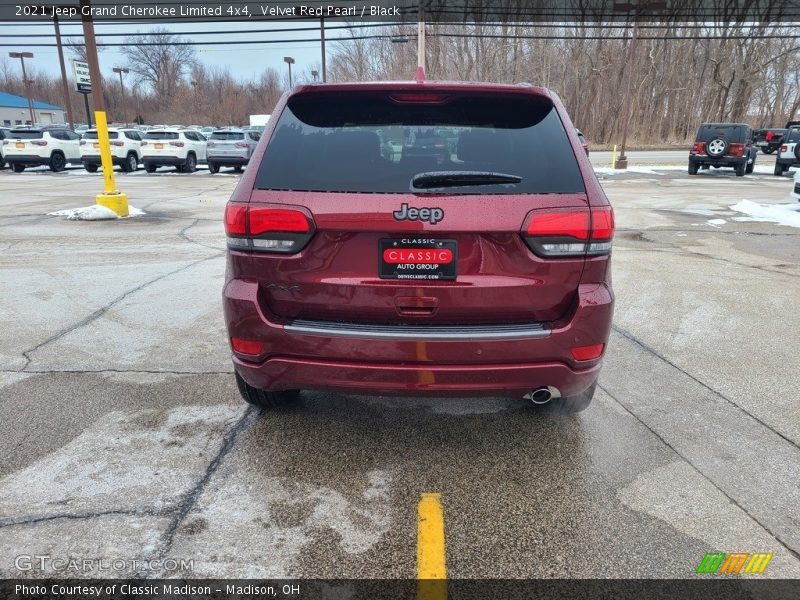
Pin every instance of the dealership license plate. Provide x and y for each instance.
(417, 258)
(20, 144)
(159, 146)
(96, 145)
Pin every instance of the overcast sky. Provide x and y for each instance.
(243, 61)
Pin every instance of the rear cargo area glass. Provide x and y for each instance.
(378, 142)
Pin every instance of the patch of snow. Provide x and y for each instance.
(783, 214)
(95, 212)
(716, 222)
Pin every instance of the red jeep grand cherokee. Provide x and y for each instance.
(419, 238)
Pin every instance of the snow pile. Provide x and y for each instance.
(783, 214)
(95, 212)
(716, 222)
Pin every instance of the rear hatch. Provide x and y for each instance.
(227, 143)
(24, 142)
(161, 143)
(90, 143)
(430, 230)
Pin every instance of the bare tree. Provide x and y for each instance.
(158, 60)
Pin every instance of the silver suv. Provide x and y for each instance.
(231, 148)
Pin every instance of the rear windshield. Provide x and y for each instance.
(372, 143)
(92, 135)
(161, 135)
(706, 133)
(28, 134)
(227, 135)
(793, 135)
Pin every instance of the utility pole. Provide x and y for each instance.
(322, 48)
(622, 161)
(420, 50)
(122, 70)
(111, 198)
(22, 56)
(64, 84)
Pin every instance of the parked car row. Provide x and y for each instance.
(182, 148)
(735, 145)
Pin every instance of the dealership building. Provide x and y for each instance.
(14, 110)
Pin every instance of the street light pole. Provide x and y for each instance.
(322, 48)
(420, 50)
(289, 61)
(22, 56)
(64, 84)
(622, 161)
(122, 70)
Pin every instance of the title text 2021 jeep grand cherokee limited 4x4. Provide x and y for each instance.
(723, 145)
(481, 269)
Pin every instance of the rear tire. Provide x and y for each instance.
(131, 163)
(149, 168)
(778, 169)
(17, 168)
(237, 168)
(264, 399)
(90, 168)
(693, 168)
(768, 150)
(190, 166)
(751, 166)
(213, 168)
(740, 169)
(57, 162)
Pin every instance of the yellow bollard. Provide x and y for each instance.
(614, 156)
(111, 197)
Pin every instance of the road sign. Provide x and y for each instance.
(83, 80)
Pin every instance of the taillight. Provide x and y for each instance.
(144, 142)
(39, 142)
(178, 144)
(83, 142)
(570, 232)
(210, 145)
(736, 150)
(266, 229)
(699, 148)
(241, 144)
(116, 142)
(769, 136)
(784, 148)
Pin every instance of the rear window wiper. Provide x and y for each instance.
(438, 179)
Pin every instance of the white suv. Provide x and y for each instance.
(126, 149)
(789, 152)
(4, 131)
(28, 147)
(182, 148)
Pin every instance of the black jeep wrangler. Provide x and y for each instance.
(723, 145)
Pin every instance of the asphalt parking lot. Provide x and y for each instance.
(123, 435)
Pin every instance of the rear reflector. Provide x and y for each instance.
(784, 148)
(570, 232)
(698, 148)
(250, 347)
(588, 352)
(736, 150)
(264, 229)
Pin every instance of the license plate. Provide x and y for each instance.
(159, 146)
(417, 258)
(20, 144)
(96, 145)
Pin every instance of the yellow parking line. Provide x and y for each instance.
(431, 563)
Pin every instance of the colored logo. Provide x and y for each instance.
(734, 562)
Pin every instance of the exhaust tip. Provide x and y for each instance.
(543, 395)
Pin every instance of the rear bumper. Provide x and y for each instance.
(95, 160)
(161, 161)
(381, 365)
(791, 161)
(228, 161)
(723, 161)
(31, 160)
